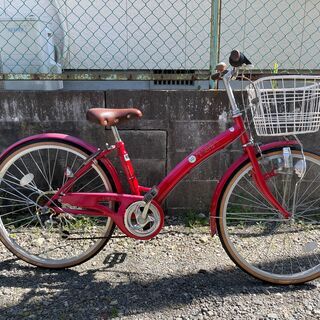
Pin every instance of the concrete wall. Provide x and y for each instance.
(174, 123)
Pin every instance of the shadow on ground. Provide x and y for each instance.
(67, 294)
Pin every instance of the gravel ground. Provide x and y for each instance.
(181, 274)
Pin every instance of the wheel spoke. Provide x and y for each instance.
(22, 196)
(64, 177)
(254, 189)
(26, 187)
(29, 218)
(44, 172)
(249, 206)
(37, 166)
(312, 192)
(49, 169)
(251, 201)
(90, 181)
(54, 166)
(259, 239)
(278, 194)
(32, 227)
(15, 211)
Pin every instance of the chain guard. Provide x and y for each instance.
(140, 228)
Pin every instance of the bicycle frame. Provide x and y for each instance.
(91, 202)
(169, 182)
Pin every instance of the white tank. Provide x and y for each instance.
(27, 47)
(28, 44)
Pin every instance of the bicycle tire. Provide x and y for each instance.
(30, 174)
(256, 238)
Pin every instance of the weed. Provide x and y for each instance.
(114, 312)
(194, 220)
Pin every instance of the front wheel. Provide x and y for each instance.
(256, 237)
(29, 176)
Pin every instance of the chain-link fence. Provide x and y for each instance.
(153, 39)
(86, 36)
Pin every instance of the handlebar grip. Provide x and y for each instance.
(237, 59)
(222, 69)
(218, 75)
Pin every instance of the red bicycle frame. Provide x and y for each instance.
(91, 202)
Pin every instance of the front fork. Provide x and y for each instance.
(259, 178)
(261, 182)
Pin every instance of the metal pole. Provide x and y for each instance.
(214, 37)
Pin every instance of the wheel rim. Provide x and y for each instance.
(27, 181)
(259, 240)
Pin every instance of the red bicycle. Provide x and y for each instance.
(61, 198)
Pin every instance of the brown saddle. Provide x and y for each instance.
(111, 117)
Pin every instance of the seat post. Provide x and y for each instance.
(116, 133)
(125, 162)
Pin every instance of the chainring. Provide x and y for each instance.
(143, 228)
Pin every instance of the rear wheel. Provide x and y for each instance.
(257, 238)
(30, 175)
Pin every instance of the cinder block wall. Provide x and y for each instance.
(174, 124)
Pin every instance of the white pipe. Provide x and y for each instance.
(62, 10)
(4, 8)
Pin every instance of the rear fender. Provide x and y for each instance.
(215, 202)
(58, 137)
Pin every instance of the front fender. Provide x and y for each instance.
(71, 140)
(216, 198)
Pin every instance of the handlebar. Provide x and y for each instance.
(236, 59)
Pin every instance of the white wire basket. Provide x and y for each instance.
(285, 105)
